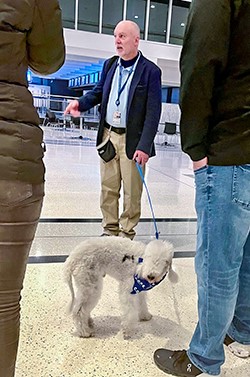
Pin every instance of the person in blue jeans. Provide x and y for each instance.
(215, 132)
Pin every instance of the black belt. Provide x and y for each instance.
(117, 130)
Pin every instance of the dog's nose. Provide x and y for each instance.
(150, 277)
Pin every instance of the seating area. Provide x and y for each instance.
(168, 134)
(84, 129)
(51, 120)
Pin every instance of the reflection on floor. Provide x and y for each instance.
(48, 347)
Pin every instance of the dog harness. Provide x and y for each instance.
(142, 284)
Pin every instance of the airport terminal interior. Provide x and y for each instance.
(48, 345)
(71, 212)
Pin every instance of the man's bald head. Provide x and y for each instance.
(131, 26)
(127, 36)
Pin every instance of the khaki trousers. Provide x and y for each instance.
(20, 208)
(117, 173)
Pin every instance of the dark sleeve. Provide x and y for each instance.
(94, 96)
(153, 111)
(203, 59)
(45, 42)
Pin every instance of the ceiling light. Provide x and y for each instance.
(152, 6)
(182, 24)
(136, 16)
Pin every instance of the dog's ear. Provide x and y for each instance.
(170, 248)
(173, 276)
(139, 269)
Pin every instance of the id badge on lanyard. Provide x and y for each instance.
(117, 113)
(117, 117)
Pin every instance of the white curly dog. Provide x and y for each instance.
(135, 265)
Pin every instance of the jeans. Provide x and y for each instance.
(20, 208)
(222, 263)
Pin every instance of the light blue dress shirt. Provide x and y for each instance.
(122, 108)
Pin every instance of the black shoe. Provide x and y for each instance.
(238, 349)
(228, 340)
(176, 363)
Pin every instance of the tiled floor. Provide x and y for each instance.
(48, 347)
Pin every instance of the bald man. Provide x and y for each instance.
(129, 92)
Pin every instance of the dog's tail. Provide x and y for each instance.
(67, 272)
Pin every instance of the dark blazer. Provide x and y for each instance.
(143, 108)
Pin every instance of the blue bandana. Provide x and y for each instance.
(142, 284)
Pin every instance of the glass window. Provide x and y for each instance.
(179, 20)
(158, 17)
(175, 98)
(88, 15)
(68, 13)
(136, 11)
(112, 14)
(164, 93)
(170, 94)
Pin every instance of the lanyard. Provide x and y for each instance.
(120, 86)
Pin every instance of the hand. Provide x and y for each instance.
(72, 108)
(199, 164)
(140, 157)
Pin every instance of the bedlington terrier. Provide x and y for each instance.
(136, 266)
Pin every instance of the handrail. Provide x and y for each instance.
(57, 104)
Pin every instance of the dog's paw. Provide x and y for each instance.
(84, 333)
(145, 317)
(87, 334)
(126, 334)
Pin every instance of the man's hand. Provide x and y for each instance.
(199, 164)
(72, 108)
(140, 157)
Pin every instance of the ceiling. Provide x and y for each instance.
(75, 68)
(80, 66)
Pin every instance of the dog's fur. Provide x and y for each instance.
(118, 257)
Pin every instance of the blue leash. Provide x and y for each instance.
(149, 199)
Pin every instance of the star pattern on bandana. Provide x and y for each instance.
(141, 284)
